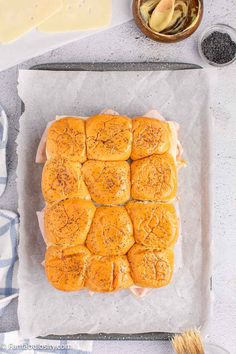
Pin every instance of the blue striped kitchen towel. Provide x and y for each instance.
(12, 342)
(9, 224)
(3, 145)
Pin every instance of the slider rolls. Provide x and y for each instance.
(155, 224)
(154, 178)
(66, 139)
(151, 267)
(111, 233)
(66, 267)
(150, 136)
(108, 185)
(106, 274)
(109, 137)
(63, 179)
(67, 222)
(108, 181)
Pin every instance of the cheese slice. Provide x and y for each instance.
(77, 15)
(20, 16)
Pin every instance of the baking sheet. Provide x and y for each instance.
(36, 43)
(183, 96)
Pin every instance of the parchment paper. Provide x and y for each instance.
(182, 96)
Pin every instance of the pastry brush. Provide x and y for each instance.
(190, 342)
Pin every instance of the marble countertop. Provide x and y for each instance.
(126, 43)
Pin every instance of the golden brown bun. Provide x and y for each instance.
(150, 136)
(68, 221)
(154, 178)
(107, 182)
(106, 274)
(155, 225)
(66, 139)
(66, 267)
(111, 233)
(109, 137)
(149, 267)
(62, 179)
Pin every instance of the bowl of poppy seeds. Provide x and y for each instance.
(217, 46)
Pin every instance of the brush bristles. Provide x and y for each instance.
(188, 343)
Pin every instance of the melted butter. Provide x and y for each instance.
(172, 20)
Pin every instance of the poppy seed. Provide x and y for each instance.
(219, 48)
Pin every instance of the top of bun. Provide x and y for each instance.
(66, 267)
(108, 182)
(151, 268)
(109, 137)
(111, 233)
(62, 179)
(68, 221)
(106, 274)
(66, 139)
(150, 136)
(154, 178)
(155, 224)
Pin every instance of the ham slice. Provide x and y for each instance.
(138, 291)
(40, 216)
(154, 114)
(176, 148)
(110, 111)
(41, 156)
(135, 290)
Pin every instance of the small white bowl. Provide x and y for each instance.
(219, 28)
(215, 349)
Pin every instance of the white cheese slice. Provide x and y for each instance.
(20, 16)
(77, 15)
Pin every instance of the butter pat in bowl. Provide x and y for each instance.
(168, 20)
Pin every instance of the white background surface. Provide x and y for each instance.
(126, 43)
